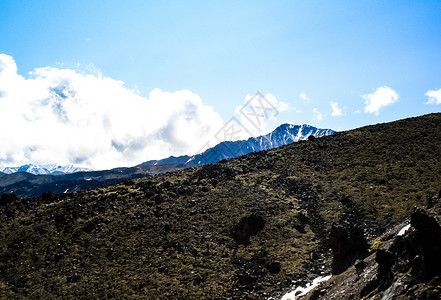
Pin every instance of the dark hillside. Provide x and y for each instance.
(248, 227)
(26, 185)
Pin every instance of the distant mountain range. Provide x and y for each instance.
(32, 180)
(283, 135)
(44, 170)
(26, 185)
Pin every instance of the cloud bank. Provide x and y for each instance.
(64, 117)
(382, 97)
(434, 97)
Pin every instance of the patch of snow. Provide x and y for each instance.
(403, 230)
(66, 191)
(302, 291)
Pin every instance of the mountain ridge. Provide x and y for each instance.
(53, 169)
(27, 185)
(282, 135)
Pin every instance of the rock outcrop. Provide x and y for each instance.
(406, 266)
(348, 245)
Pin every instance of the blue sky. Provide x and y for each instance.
(337, 52)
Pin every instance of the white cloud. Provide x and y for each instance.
(434, 97)
(336, 110)
(382, 97)
(62, 116)
(318, 115)
(279, 105)
(304, 97)
(257, 113)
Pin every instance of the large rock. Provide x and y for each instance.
(425, 245)
(348, 245)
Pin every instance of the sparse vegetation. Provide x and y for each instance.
(175, 235)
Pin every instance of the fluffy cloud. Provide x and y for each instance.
(318, 115)
(336, 110)
(304, 97)
(434, 97)
(62, 116)
(382, 97)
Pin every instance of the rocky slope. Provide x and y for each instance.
(249, 227)
(403, 263)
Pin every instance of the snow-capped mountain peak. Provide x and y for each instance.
(282, 135)
(44, 169)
